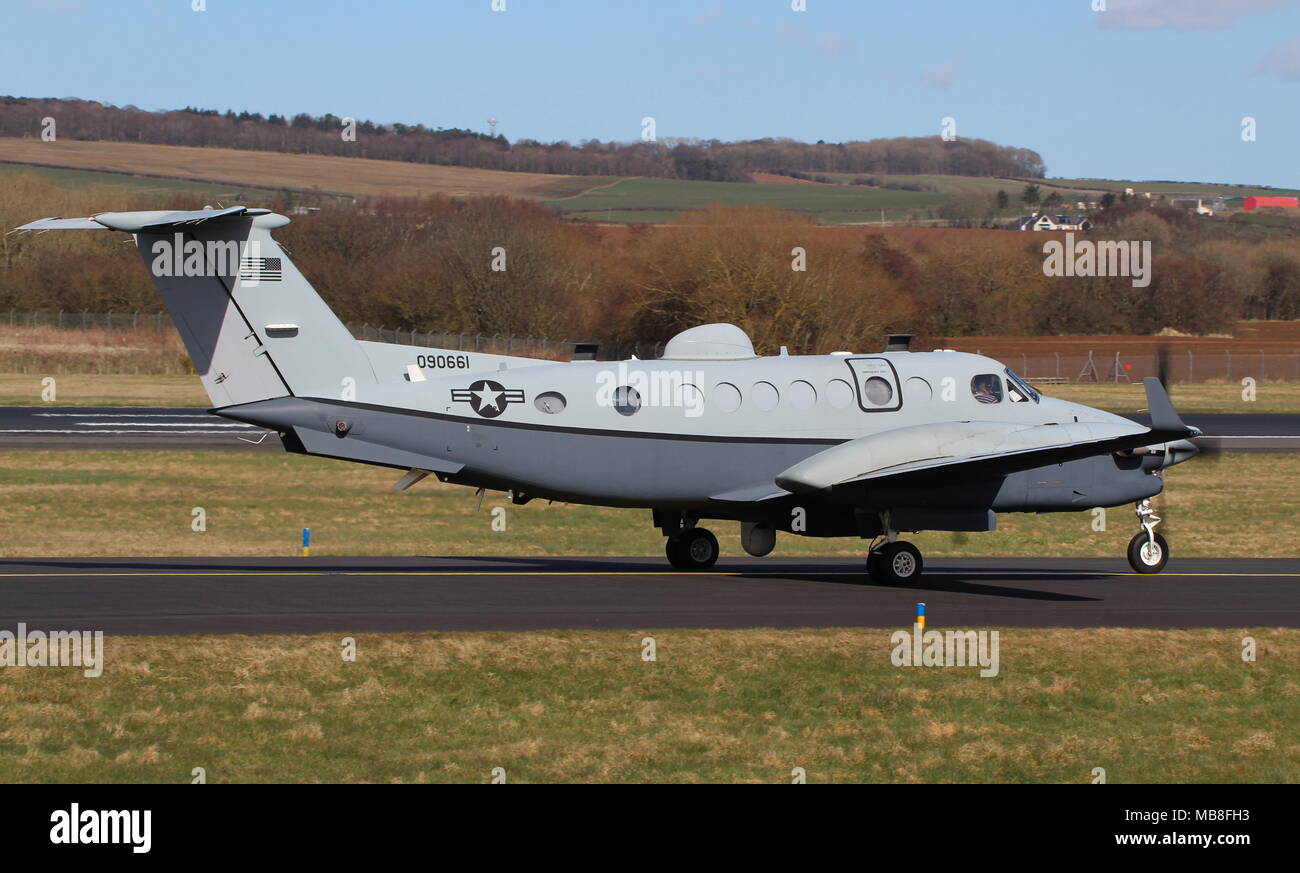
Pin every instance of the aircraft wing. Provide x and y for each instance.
(966, 451)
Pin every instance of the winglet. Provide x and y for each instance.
(1164, 417)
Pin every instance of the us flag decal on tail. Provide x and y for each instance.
(260, 269)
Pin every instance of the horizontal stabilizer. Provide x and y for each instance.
(145, 222)
(63, 224)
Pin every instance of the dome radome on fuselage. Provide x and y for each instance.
(713, 342)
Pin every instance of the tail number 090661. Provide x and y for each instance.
(443, 362)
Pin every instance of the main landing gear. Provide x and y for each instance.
(1147, 551)
(692, 548)
(896, 563)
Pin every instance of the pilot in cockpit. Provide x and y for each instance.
(986, 388)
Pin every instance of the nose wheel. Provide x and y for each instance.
(1147, 551)
(896, 563)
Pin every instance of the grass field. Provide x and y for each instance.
(716, 706)
(80, 389)
(230, 168)
(126, 183)
(107, 353)
(106, 503)
(986, 185)
(1143, 186)
(224, 173)
(662, 200)
(1204, 397)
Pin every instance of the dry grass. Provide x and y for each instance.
(326, 173)
(717, 706)
(80, 389)
(139, 504)
(1218, 397)
(51, 351)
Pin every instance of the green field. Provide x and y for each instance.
(637, 200)
(945, 184)
(129, 184)
(714, 706)
(661, 200)
(642, 200)
(131, 503)
(1155, 187)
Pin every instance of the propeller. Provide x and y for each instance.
(1164, 367)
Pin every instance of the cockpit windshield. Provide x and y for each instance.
(1018, 391)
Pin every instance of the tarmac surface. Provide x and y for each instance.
(150, 596)
(140, 428)
(172, 428)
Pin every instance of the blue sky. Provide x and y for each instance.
(1144, 89)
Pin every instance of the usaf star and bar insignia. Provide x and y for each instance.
(489, 399)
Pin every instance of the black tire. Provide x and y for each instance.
(1140, 557)
(896, 563)
(692, 549)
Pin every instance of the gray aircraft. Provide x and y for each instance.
(862, 445)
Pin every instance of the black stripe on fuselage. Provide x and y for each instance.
(586, 431)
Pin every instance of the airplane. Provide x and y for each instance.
(870, 445)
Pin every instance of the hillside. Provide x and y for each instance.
(668, 158)
(327, 174)
(225, 174)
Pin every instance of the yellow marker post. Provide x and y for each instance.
(920, 616)
(306, 542)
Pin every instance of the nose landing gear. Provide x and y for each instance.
(1147, 551)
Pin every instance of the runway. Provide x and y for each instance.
(139, 428)
(1242, 433)
(149, 596)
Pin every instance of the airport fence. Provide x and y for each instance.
(1084, 365)
(499, 344)
(1100, 365)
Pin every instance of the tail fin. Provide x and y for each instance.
(254, 327)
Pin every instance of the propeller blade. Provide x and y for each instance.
(1164, 366)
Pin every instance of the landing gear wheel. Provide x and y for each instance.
(1145, 559)
(896, 563)
(692, 549)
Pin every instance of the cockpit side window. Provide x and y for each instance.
(987, 388)
(1018, 390)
